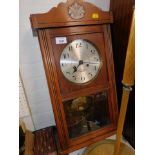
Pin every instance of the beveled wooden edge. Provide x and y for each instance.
(58, 16)
(87, 143)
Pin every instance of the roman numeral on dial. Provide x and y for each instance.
(83, 78)
(70, 48)
(66, 55)
(92, 51)
(90, 74)
(95, 68)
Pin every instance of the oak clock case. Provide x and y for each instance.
(77, 55)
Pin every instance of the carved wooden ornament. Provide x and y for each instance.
(76, 11)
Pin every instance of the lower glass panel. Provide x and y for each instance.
(86, 114)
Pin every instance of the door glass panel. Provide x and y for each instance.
(86, 114)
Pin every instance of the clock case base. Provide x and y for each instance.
(57, 23)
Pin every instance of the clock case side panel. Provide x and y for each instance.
(50, 71)
(111, 72)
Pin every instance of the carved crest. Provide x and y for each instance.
(76, 11)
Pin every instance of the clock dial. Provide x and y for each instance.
(80, 61)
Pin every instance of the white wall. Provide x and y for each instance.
(31, 65)
(24, 110)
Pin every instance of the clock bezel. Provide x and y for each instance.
(99, 68)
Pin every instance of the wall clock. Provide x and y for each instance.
(75, 42)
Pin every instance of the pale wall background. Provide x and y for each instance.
(31, 65)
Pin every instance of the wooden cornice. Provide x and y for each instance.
(59, 16)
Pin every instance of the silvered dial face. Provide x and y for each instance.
(80, 61)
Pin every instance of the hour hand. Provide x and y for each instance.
(75, 69)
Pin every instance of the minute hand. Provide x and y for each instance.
(90, 62)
